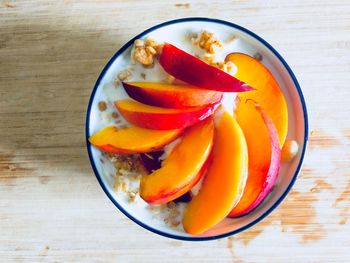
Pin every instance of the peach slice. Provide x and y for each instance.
(132, 139)
(183, 168)
(196, 72)
(224, 181)
(267, 92)
(264, 155)
(151, 117)
(171, 96)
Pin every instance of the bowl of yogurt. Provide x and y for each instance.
(212, 41)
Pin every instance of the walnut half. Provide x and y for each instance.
(144, 52)
(208, 42)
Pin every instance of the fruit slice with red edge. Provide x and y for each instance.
(196, 72)
(132, 139)
(151, 117)
(267, 92)
(152, 162)
(171, 96)
(183, 168)
(224, 181)
(264, 155)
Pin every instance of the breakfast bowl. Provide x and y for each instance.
(110, 106)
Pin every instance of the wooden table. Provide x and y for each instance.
(51, 206)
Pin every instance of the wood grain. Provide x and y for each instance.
(51, 206)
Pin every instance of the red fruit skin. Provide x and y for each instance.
(196, 72)
(159, 121)
(176, 98)
(273, 170)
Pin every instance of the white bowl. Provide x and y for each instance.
(248, 43)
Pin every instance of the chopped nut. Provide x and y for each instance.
(124, 75)
(132, 196)
(151, 43)
(208, 42)
(151, 50)
(289, 150)
(143, 75)
(192, 36)
(115, 115)
(210, 59)
(144, 52)
(134, 177)
(230, 40)
(183, 5)
(229, 67)
(118, 173)
(169, 79)
(116, 82)
(220, 65)
(119, 184)
(258, 56)
(172, 218)
(102, 106)
(171, 205)
(143, 56)
(174, 222)
(139, 43)
(153, 208)
(123, 186)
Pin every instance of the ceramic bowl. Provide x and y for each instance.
(249, 43)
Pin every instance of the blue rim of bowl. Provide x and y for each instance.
(128, 44)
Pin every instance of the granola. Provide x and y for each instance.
(102, 106)
(124, 75)
(208, 42)
(145, 52)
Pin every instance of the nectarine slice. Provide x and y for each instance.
(157, 118)
(183, 167)
(171, 96)
(224, 181)
(267, 92)
(132, 139)
(196, 72)
(264, 155)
